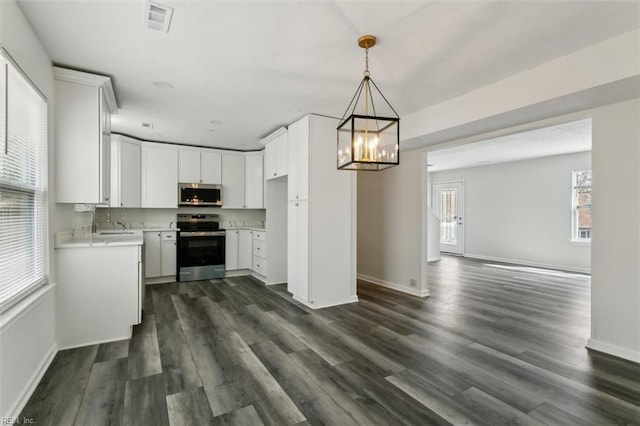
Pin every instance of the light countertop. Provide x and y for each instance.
(103, 238)
(253, 228)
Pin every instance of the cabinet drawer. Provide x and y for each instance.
(260, 235)
(259, 248)
(260, 265)
(169, 235)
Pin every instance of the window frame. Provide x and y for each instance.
(575, 230)
(39, 190)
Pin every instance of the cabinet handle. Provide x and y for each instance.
(274, 174)
(158, 234)
(296, 204)
(296, 197)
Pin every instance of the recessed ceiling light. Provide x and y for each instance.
(146, 125)
(215, 122)
(163, 85)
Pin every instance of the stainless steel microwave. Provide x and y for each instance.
(199, 194)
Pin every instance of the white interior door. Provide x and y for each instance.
(449, 207)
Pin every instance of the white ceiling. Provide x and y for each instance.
(258, 65)
(560, 139)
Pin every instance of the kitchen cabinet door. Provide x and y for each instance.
(152, 254)
(189, 166)
(233, 181)
(276, 158)
(210, 167)
(84, 104)
(292, 247)
(245, 249)
(159, 176)
(129, 174)
(282, 158)
(169, 251)
(253, 180)
(270, 154)
(125, 172)
(298, 160)
(231, 250)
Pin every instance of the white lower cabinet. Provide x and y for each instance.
(99, 295)
(238, 248)
(259, 264)
(169, 247)
(160, 254)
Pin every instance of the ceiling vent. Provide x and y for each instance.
(157, 17)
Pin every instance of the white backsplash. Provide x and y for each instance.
(156, 218)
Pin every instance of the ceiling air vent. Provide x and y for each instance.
(157, 17)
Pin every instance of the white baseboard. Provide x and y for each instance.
(160, 280)
(615, 350)
(394, 286)
(33, 382)
(527, 263)
(237, 273)
(100, 342)
(352, 299)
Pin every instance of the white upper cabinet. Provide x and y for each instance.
(242, 180)
(253, 180)
(189, 166)
(298, 158)
(84, 104)
(200, 166)
(233, 190)
(125, 172)
(276, 154)
(159, 175)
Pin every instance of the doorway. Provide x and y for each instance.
(449, 207)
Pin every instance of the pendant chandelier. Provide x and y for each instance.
(368, 134)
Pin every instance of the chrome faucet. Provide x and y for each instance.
(121, 224)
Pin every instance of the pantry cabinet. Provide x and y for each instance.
(84, 104)
(159, 178)
(298, 160)
(320, 217)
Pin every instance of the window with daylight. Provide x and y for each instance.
(23, 185)
(582, 206)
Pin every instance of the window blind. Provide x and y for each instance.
(23, 185)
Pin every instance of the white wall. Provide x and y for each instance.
(27, 331)
(520, 212)
(390, 225)
(615, 255)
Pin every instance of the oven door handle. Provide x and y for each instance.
(203, 234)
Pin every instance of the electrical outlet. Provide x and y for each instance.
(412, 282)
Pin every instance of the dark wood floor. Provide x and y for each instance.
(494, 344)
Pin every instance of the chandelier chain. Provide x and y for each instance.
(366, 62)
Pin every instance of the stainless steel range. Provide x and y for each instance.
(201, 247)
